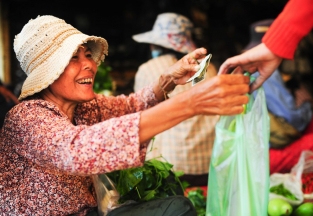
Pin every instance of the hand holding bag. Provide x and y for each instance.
(239, 169)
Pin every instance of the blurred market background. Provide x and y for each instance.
(221, 26)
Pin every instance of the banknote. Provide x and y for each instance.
(200, 74)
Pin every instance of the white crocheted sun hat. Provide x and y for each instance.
(44, 48)
(170, 30)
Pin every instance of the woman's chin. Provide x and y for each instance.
(88, 97)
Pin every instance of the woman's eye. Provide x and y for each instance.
(75, 57)
(88, 55)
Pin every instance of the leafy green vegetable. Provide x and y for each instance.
(198, 200)
(281, 190)
(154, 179)
(103, 80)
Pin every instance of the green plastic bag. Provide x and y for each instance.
(239, 169)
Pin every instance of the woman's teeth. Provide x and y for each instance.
(85, 81)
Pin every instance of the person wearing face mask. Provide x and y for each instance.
(188, 145)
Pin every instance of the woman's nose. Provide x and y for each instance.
(87, 63)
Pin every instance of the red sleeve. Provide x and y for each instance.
(291, 25)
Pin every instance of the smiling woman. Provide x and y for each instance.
(75, 84)
(61, 133)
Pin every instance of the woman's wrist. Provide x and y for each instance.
(166, 84)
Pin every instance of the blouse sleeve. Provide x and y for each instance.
(104, 107)
(45, 136)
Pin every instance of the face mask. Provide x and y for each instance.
(156, 53)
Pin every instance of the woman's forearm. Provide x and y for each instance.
(160, 118)
(220, 95)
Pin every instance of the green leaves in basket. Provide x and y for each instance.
(153, 180)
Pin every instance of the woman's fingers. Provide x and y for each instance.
(198, 53)
(221, 95)
(232, 79)
(257, 83)
(228, 106)
(196, 56)
(187, 66)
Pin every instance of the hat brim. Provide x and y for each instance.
(48, 71)
(154, 38)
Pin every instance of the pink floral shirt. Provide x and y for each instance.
(46, 161)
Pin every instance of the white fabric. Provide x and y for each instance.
(44, 48)
(170, 30)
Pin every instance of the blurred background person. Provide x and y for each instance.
(188, 145)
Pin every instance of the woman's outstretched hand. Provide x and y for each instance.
(220, 95)
(187, 66)
(259, 58)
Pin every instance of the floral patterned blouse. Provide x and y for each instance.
(46, 161)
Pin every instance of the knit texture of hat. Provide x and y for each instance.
(170, 30)
(44, 48)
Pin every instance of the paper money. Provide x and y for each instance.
(200, 74)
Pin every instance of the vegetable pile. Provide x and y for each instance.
(153, 180)
(280, 207)
(281, 190)
(198, 200)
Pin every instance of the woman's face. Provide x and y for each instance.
(75, 84)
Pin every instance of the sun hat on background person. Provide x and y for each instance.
(170, 30)
(45, 62)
